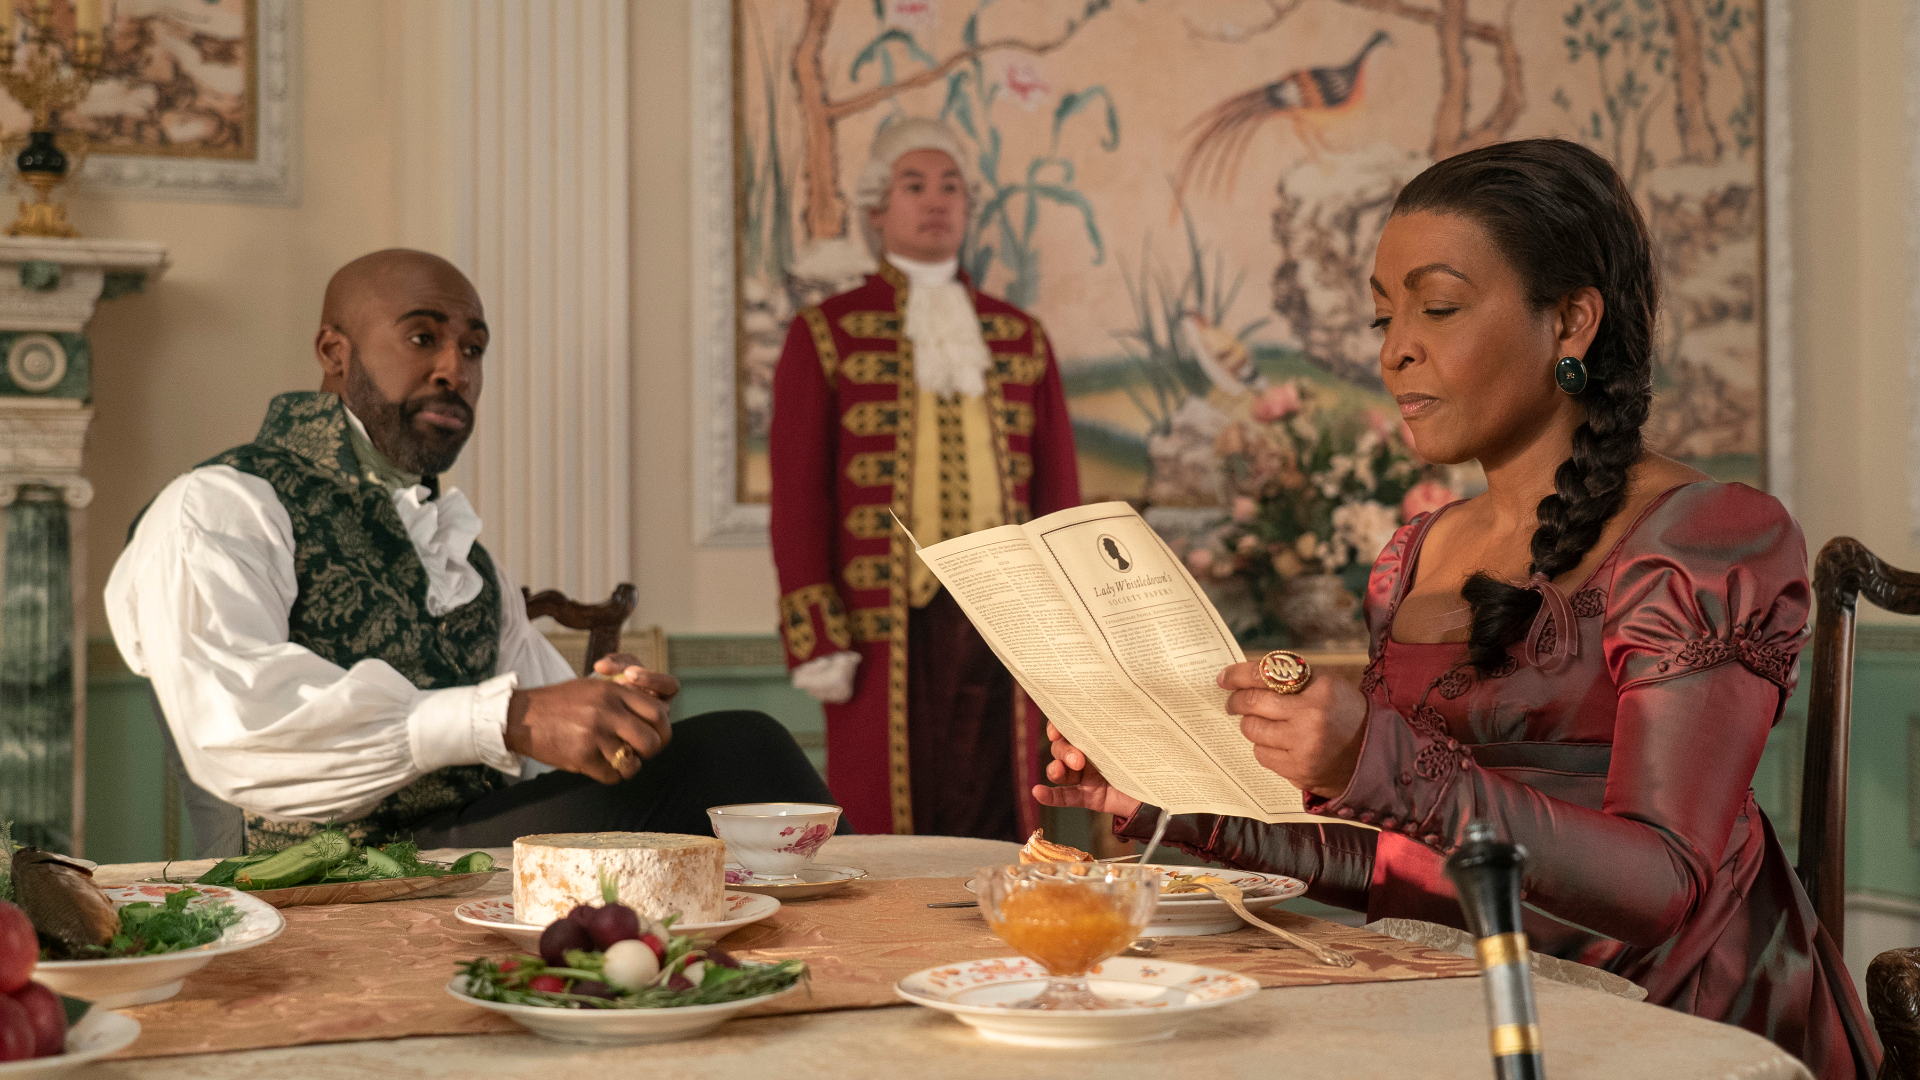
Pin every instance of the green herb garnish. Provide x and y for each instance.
(147, 929)
(7, 847)
(487, 981)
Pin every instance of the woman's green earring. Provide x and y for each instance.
(1571, 374)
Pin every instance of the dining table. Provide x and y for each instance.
(1433, 1028)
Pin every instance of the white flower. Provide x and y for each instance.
(1364, 528)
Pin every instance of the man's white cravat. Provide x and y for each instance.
(949, 354)
(442, 530)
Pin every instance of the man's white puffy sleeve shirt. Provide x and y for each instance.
(199, 603)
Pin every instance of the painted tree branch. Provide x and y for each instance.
(826, 212)
(1699, 142)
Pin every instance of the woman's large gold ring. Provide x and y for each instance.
(620, 756)
(1285, 672)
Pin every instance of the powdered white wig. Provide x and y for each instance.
(896, 140)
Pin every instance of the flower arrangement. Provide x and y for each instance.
(1313, 493)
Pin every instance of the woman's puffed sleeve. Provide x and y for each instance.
(1717, 575)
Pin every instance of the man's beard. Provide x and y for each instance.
(390, 424)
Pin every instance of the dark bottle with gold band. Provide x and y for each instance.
(1486, 873)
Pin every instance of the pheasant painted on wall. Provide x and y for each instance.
(1312, 98)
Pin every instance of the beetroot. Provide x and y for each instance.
(19, 948)
(558, 937)
(547, 984)
(589, 988)
(582, 914)
(677, 981)
(615, 922)
(16, 1031)
(48, 1017)
(724, 959)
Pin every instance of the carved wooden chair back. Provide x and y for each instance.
(602, 622)
(1843, 572)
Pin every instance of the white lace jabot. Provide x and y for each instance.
(443, 531)
(949, 354)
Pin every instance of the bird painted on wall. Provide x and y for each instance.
(1311, 98)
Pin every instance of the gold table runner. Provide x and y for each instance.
(379, 971)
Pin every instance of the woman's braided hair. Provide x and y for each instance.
(1564, 220)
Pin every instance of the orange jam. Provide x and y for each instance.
(1066, 929)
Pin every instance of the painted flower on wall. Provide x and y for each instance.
(1024, 82)
(913, 16)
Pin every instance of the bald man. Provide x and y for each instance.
(329, 642)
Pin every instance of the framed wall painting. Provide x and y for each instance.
(1202, 216)
(196, 99)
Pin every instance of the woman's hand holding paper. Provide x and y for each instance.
(1080, 782)
(1311, 738)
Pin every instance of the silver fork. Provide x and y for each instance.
(1231, 896)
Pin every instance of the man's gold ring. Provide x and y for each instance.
(620, 756)
(1285, 672)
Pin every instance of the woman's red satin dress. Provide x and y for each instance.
(1620, 752)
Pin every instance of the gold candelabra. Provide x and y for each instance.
(55, 78)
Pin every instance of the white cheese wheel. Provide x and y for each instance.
(657, 874)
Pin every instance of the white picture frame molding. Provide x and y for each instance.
(272, 178)
(721, 520)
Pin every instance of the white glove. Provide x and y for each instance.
(828, 679)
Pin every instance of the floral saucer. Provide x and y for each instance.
(138, 980)
(1159, 997)
(811, 881)
(497, 914)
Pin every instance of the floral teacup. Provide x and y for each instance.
(774, 839)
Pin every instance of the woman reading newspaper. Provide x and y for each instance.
(1590, 654)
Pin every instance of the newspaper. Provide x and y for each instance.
(1115, 641)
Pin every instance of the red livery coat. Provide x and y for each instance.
(841, 450)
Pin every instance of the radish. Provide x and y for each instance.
(631, 964)
(695, 972)
(19, 948)
(48, 1017)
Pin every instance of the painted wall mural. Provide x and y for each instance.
(176, 79)
(1188, 193)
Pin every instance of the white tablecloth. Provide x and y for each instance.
(1432, 1028)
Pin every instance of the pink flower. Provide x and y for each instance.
(1425, 495)
(1277, 403)
(912, 15)
(1023, 80)
(1200, 560)
(1245, 509)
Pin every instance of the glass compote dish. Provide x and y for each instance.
(1068, 917)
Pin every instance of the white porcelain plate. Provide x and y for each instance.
(1160, 996)
(138, 980)
(1194, 914)
(811, 881)
(496, 914)
(614, 1027)
(99, 1033)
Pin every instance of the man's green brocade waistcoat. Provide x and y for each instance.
(363, 594)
